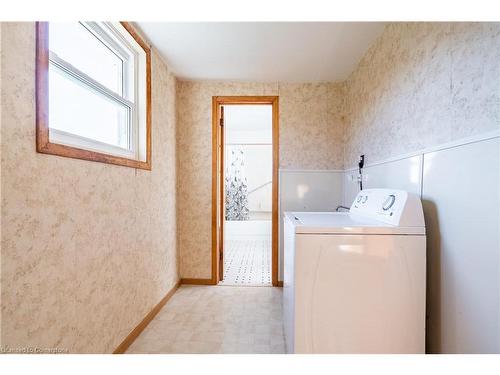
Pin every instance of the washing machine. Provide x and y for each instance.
(354, 282)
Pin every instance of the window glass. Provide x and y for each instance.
(78, 109)
(75, 44)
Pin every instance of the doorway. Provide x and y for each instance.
(245, 191)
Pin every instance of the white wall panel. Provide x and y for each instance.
(350, 187)
(404, 174)
(307, 191)
(461, 191)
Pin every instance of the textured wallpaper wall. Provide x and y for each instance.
(311, 127)
(87, 248)
(423, 84)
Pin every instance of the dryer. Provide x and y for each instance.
(354, 282)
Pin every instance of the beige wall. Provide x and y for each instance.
(423, 84)
(87, 248)
(311, 127)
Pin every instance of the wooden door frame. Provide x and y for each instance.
(217, 160)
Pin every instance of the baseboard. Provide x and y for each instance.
(198, 282)
(209, 282)
(122, 348)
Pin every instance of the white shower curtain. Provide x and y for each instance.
(236, 185)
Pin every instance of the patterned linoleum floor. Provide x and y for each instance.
(247, 261)
(216, 319)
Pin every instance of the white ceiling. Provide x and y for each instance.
(262, 52)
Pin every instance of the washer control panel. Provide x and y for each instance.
(387, 205)
(389, 202)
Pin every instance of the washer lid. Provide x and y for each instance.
(345, 223)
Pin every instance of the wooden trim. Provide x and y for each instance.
(127, 26)
(280, 284)
(197, 281)
(42, 85)
(125, 344)
(217, 101)
(43, 144)
(246, 99)
(215, 236)
(149, 116)
(221, 194)
(275, 214)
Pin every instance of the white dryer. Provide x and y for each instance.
(354, 282)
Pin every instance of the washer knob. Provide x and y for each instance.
(389, 202)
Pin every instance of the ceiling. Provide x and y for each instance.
(262, 52)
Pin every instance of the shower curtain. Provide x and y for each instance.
(236, 185)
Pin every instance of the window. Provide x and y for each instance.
(93, 92)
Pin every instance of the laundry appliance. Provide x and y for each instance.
(354, 282)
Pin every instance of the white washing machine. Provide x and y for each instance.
(354, 282)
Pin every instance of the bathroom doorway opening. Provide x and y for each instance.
(245, 209)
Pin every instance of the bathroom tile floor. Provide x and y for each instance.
(216, 319)
(247, 261)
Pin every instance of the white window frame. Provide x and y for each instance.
(133, 92)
